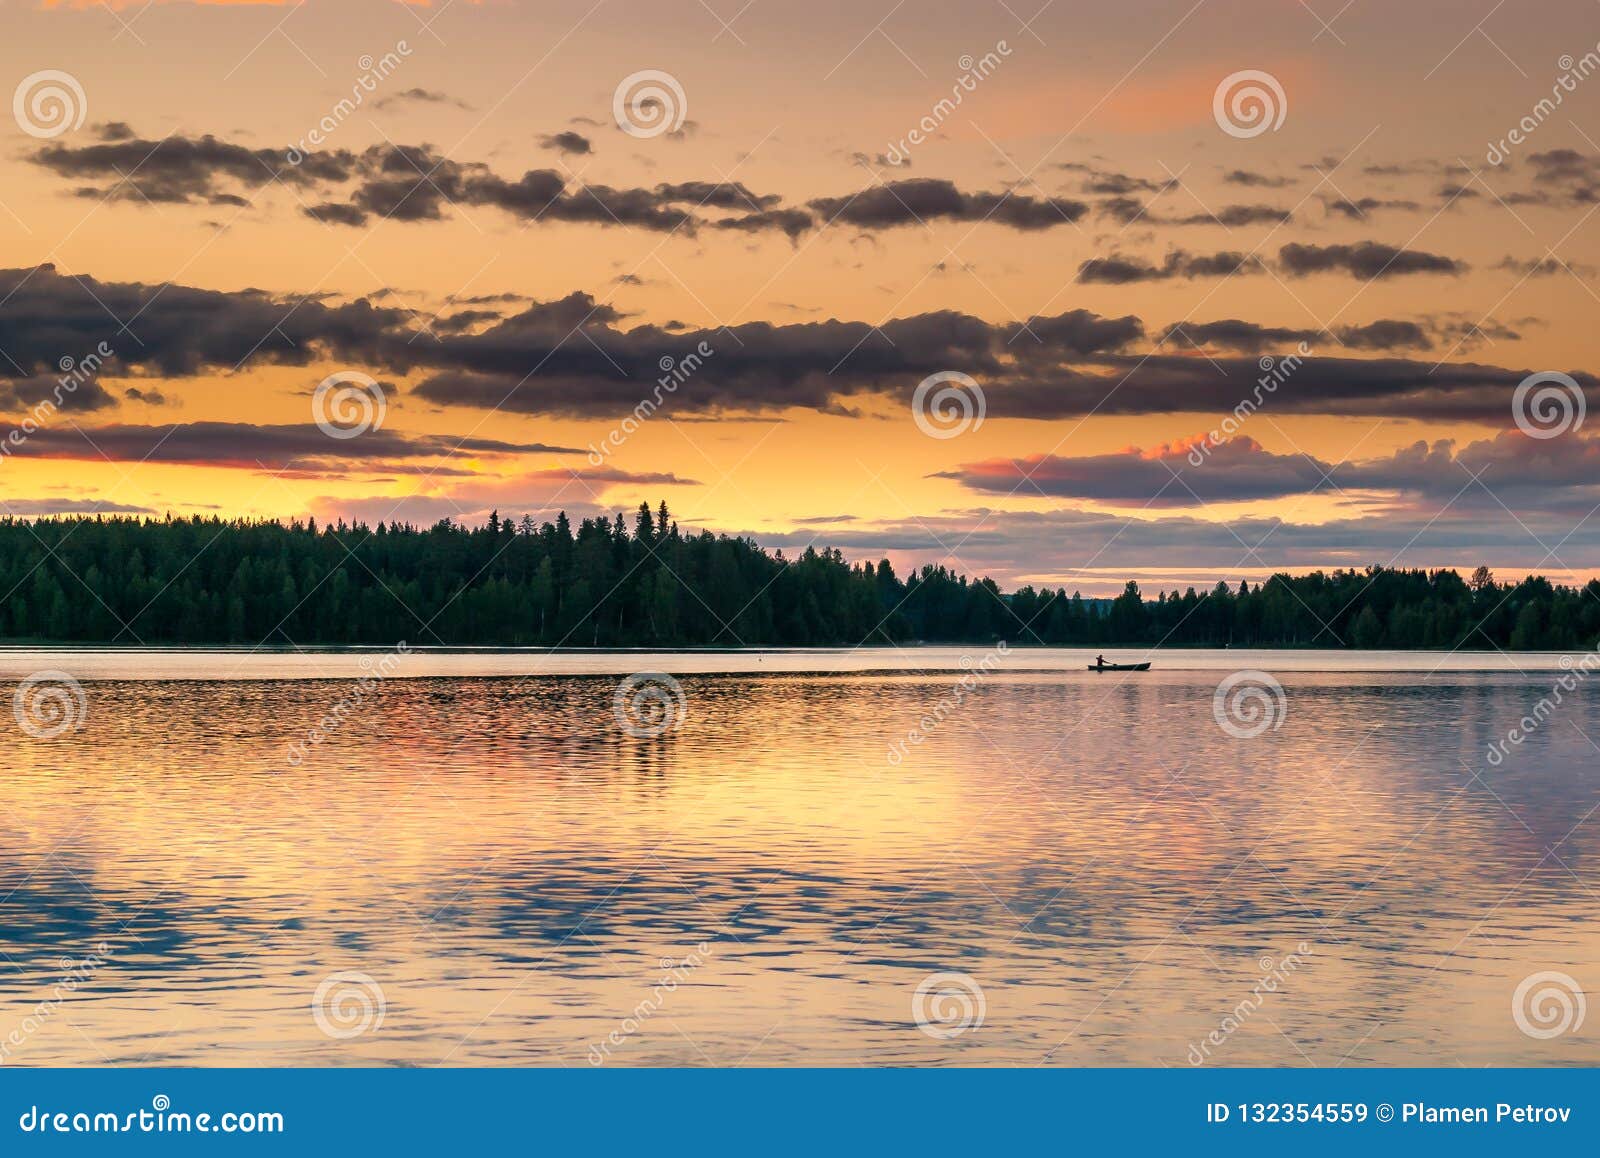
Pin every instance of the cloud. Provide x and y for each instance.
(1568, 174)
(1101, 181)
(403, 183)
(173, 330)
(181, 170)
(242, 445)
(589, 367)
(1098, 549)
(1120, 270)
(1359, 210)
(918, 200)
(1251, 337)
(716, 195)
(333, 213)
(792, 223)
(1367, 259)
(1255, 180)
(575, 356)
(567, 141)
(62, 390)
(416, 183)
(1514, 468)
(421, 96)
(29, 508)
(1237, 471)
(1544, 266)
(1127, 210)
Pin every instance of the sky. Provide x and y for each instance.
(1063, 294)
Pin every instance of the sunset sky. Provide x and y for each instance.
(1095, 235)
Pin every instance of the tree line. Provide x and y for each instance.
(603, 583)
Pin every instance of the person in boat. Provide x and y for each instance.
(1099, 661)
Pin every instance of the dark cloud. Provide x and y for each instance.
(1512, 466)
(336, 214)
(1236, 216)
(1573, 174)
(1119, 270)
(1250, 337)
(1544, 266)
(792, 223)
(881, 160)
(1128, 210)
(573, 356)
(180, 170)
(416, 183)
(1048, 368)
(63, 391)
(1405, 169)
(567, 141)
(464, 320)
(171, 330)
(917, 200)
(1359, 209)
(1367, 387)
(1057, 546)
(586, 366)
(1111, 183)
(245, 446)
(493, 299)
(29, 508)
(1254, 180)
(1385, 334)
(1236, 471)
(421, 96)
(404, 183)
(1366, 259)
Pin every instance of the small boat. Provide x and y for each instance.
(1119, 667)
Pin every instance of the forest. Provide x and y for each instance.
(606, 584)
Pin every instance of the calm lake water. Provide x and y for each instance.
(490, 851)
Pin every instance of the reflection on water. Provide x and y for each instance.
(518, 875)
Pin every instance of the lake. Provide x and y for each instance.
(932, 856)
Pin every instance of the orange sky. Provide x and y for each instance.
(1092, 138)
